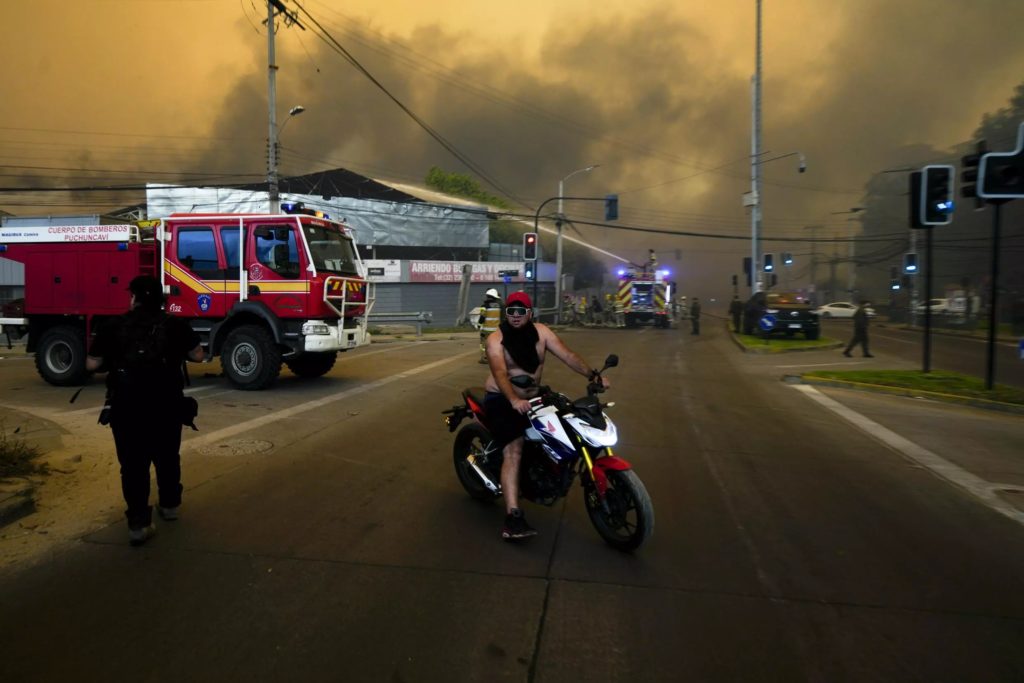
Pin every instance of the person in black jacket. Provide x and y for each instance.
(695, 316)
(736, 310)
(860, 330)
(143, 352)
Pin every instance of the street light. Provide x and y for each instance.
(272, 186)
(558, 240)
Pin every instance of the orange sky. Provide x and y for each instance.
(653, 91)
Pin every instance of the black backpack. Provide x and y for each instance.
(144, 361)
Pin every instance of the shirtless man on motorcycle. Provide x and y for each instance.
(517, 350)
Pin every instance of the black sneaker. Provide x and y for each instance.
(516, 526)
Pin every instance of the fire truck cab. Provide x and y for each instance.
(261, 290)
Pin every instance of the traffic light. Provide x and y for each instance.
(528, 270)
(611, 207)
(734, 281)
(775, 279)
(530, 246)
(768, 265)
(910, 263)
(787, 258)
(1001, 174)
(894, 278)
(937, 195)
(969, 175)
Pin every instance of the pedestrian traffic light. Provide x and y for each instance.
(611, 207)
(768, 265)
(969, 175)
(910, 263)
(937, 195)
(528, 270)
(894, 284)
(787, 258)
(530, 246)
(1001, 175)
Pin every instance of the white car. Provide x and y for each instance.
(938, 306)
(841, 309)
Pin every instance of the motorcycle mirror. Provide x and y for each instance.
(611, 361)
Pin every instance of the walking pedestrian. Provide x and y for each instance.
(860, 330)
(695, 316)
(736, 310)
(143, 352)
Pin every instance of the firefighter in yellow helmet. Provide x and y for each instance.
(490, 318)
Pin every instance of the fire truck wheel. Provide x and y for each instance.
(312, 364)
(60, 356)
(250, 358)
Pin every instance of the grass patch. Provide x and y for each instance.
(776, 344)
(17, 458)
(938, 382)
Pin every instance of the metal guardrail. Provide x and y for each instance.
(419, 319)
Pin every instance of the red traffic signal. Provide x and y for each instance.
(529, 246)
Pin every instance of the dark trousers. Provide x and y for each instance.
(142, 440)
(859, 337)
(695, 325)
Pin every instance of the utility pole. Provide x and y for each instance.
(272, 109)
(290, 18)
(755, 161)
(814, 258)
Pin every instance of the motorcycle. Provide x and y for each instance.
(566, 439)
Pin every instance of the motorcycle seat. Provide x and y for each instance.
(476, 395)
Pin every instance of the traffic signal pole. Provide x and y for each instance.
(993, 318)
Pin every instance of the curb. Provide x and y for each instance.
(746, 349)
(971, 401)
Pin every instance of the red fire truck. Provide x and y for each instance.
(259, 289)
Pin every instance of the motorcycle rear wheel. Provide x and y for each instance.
(630, 520)
(473, 440)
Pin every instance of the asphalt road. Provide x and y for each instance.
(951, 352)
(324, 536)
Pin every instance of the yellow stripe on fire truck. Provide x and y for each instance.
(229, 286)
(625, 295)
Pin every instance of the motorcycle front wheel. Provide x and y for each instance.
(629, 518)
(473, 440)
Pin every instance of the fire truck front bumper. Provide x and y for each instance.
(320, 335)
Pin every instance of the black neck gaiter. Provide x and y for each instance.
(521, 344)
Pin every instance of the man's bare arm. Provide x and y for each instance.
(555, 345)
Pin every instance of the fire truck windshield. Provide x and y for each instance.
(332, 251)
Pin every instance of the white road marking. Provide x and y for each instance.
(264, 420)
(954, 474)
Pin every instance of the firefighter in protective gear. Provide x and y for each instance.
(620, 312)
(490, 318)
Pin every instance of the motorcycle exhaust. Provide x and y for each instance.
(471, 459)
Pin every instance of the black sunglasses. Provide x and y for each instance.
(515, 310)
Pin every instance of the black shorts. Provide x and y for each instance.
(504, 422)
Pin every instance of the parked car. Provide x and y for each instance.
(841, 309)
(788, 313)
(938, 306)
